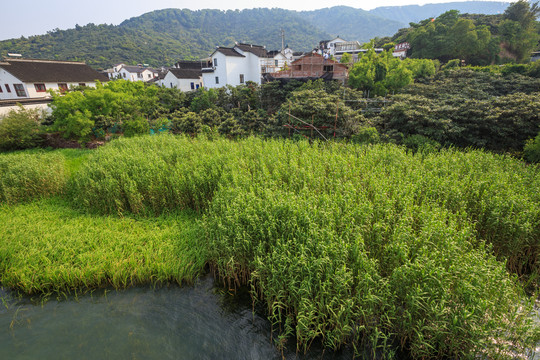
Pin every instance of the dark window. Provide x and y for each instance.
(40, 87)
(19, 89)
(217, 79)
(197, 86)
(63, 87)
(171, 85)
(1, 89)
(277, 63)
(82, 84)
(124, 74)
(7, 88)
(192, 86)
(328, 68)
(149, 76)
(241, 78)
(215, 61)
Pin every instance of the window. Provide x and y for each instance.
(62, 87)
(241, 78)
(276, 62)
(172, 86)
(197, 86)
(124, 74)
(139, 75)
(192, 86)
(217, 79)
(40, 87)
(1, 90)
(82, 84)
(215, 61)
(19, 89)
(328, 68)
(149, 76)
(7, 88)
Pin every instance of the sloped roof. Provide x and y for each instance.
(137, 69)
(257, 50)
(186, 73)
(192, 65)
(228, 51)
(33, 70)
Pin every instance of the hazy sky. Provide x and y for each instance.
(35, 17)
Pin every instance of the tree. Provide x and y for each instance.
(346, 59)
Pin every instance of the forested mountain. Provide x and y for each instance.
(414, 13)
(164, 36)
(350, 23)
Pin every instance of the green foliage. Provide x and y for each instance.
(49, 248)
(519, 29)
(421, 143)
(160, 38)
(135, 126)
(347, 59)
(372, 246)
(531, 152)
(380, 74)
(27, 176)
(148, 175)
(366, 135)
(19, 129)
(451, 35)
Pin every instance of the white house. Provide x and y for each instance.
(329, 46)
(183, 79)
(132, 73)
(274, 61)
(31, 78)
(234, 66)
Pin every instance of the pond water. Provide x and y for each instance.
(190, 322)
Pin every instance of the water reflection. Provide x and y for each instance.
(140, 323)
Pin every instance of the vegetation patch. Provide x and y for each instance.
(376, 246)
(47, 247)
(27, 176)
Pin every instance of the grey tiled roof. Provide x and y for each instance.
(33, 70)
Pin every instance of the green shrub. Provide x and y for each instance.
(421, 143)
(24, 177)
(531, 152)
(135, 126)
(366, 135)
(19, 129)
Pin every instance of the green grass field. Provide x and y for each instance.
(367, 245)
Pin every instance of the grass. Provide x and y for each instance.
(368, 245)
(47, 247)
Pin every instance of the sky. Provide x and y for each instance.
(36, 17)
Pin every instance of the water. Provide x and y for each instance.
(190, 322)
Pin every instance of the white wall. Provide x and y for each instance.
(4, 110)
(170, 81)
(7, 78)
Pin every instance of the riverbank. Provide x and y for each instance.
(341, 243)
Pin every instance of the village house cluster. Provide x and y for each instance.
(31, 78)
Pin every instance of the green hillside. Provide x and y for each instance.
(162, 37)
(165, 36)
(350, 23)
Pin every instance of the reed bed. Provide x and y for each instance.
(366, 245)
(48, 248)
(149, 176)
(28, 176)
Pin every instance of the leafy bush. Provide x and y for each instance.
(25, 176)
(421, 143)
(135, 126)
(19, 129)
(531, 152)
